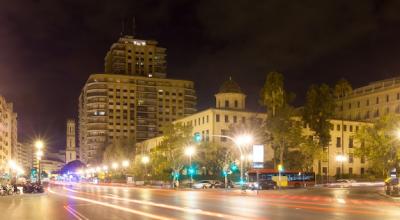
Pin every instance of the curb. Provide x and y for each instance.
(389, 197)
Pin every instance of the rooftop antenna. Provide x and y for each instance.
(122, 27)
(133, 26)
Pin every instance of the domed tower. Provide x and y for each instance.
(230, 96)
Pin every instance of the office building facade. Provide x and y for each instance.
(371, 102)
(8, 135)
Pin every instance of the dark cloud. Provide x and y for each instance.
(48, 48)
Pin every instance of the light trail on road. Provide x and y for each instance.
(177, 208)
(113, 206)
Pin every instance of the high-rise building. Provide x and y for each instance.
(130, 56)
(25, 156)
(70, 151)
(131, 104)
(8, 134)
(370, 102)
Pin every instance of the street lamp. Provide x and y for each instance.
(125, 164)
(145, 161)
(341, 158)
(114, 166)
(189, 151)
(241, 141)
(39, 145)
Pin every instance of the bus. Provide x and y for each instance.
(294, 178)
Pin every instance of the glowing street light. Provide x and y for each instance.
(105, 168)
(114, 166)
(341, 158)
(125, 163)
(242, 141)
(12, 164)
(189, 151)
(39, 155)
(145, 161)
(397, 133)
(39, 144)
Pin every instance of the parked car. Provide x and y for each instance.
(392, 186)
(202, 184)
(206, 184)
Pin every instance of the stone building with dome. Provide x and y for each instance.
(214, 122)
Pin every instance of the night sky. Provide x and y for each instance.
(49, 48)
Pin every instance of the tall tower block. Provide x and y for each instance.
(70, 152)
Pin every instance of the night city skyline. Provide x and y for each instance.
(210, 109)
(58, 45)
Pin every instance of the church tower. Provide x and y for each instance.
(70, 152)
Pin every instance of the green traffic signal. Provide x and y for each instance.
(197, 137)
(234, 167)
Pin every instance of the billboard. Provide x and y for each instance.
(258, 156)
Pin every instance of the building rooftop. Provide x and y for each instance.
(376, 86)
(230, 86)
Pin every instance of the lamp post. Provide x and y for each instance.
(341, 158)
(145, 161)
(189, 151)
(241, 141)
(125, 164)
(39, 154)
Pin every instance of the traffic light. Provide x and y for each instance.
(281, 168)
(191, 171)
(175, 174)
(197, 137)
(33, 172)
(234, 167)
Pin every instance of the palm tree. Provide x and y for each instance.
(342, 89)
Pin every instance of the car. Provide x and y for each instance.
(203, 184)
(267, 184)
(262, 184)
(218, 184)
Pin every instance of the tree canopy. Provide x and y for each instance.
(318, 110)
(380, 144)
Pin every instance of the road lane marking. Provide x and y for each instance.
(113, 206)
(183, 209)
(73, 214)
(70, 209)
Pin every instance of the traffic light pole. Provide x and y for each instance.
(39, 178)
(190, 171)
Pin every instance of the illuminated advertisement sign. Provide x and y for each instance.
(258, 153)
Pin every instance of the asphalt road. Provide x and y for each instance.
(111, 202)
